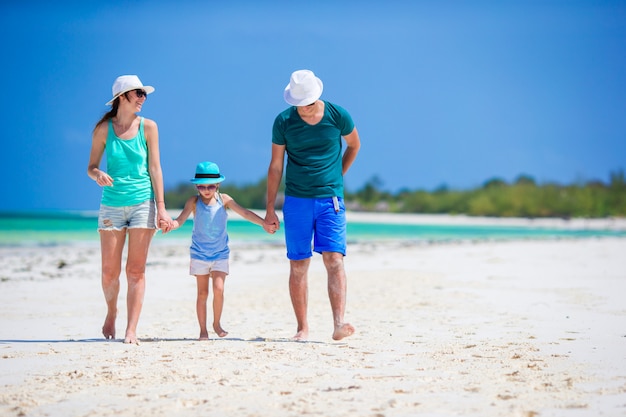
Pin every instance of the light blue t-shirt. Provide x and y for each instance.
(127, 164)
(314, 152)
(209, 239)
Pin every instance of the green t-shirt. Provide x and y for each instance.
(314, 152)
(127, 164)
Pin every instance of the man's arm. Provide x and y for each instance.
(274, 176)
(353, 143)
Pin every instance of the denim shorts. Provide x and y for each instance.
(320, 219)
(200, 267)
(139, 216)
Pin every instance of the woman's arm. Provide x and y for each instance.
(98, 143)
(156, 174)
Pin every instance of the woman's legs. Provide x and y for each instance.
(138, 246)
(111, 247)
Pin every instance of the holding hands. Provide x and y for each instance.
(271, 223)
(167, 224)
(271, 228)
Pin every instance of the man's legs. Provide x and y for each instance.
(298, 290)
(337, 293)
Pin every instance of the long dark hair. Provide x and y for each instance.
(111, 113)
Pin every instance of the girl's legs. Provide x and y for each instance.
(111, 247)
(218, 301)
(138, 246)
(203, 295)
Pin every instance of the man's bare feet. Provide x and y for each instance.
(204, 335)
(108, 329)
(343, 330)
(219, 331)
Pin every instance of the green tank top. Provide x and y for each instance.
(127, 164)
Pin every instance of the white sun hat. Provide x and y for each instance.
(304, 88)
(125, 83)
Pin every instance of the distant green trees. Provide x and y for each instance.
(497, 198)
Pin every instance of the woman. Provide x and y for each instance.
(132, 197)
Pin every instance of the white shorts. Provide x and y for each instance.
(198, 267)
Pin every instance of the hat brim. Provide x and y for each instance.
(311, 98)
(207, 180)
(147, 88)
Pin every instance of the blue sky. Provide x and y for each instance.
(443, 92)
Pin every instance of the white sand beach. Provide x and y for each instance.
(528, 328)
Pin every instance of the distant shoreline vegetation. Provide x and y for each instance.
(495, 198)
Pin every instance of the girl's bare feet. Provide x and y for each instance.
(131, 338)
(343, 330)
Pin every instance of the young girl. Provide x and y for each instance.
(209, 240)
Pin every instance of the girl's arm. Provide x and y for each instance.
(190, 206)
(252, 217)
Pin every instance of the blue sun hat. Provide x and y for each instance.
(207, 173)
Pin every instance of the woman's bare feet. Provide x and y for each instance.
(343, 330)
(302, 335)
(219, 331)
(204, 335)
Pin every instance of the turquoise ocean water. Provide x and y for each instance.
(69, 228)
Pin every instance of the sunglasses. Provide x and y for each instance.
(206, 187)
(141, 93)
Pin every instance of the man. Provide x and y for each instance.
(310, 133)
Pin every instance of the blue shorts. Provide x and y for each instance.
(316, 218)
(139, 216)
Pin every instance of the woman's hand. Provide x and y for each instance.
(103, 179)
(165, 222)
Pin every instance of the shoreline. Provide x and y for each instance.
(611, 223)
(417, 229)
